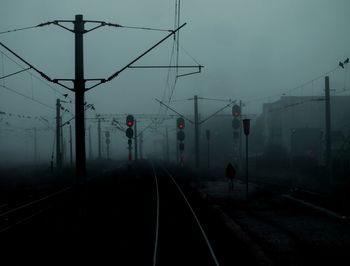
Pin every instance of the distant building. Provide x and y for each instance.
(297, 124)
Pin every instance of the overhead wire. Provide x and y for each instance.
(20, 29)
(170, 87)
(25, 96)
(218, 100)
(177, 41)
(143, 28)
(2, 67)
(189, 55)
(284, 93)
(14, 73)
(167, 85)
(33, 75)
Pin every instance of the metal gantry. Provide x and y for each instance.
(79, 81)
(196, 121)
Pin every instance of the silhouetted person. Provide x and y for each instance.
(230, 173)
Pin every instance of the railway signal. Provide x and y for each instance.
(180, 123)
(235, 123)
(246, 126)
(181, 147)
(130, 132)
(181, 135)
(130, 121)
(236, 110)
(108, 141)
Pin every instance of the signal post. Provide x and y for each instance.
(181, 137)
(236, 125)
(129, 133)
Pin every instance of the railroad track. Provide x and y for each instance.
(314, 199)
(145, 215)
(12, 217)
(179, 234)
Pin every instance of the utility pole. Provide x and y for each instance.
(58, 134)
(177, 144)
(35, 146)
(62, 144)
(246, 127)
(70, 145)
(135, 138)
(79, 80)
(167, 144)
(196, 124)
(141, 146)
(79, 88)
(208, 140)
(108, 141)
(90, 144)
(99, 138)
(240, 140)
(328, 130)
(196, 131)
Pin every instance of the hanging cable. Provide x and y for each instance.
(3, 67)
(180, 100)
(17, 72)
(37, 78)
(218, 100)
(167, 85)
(26, 28)
(143, 28)
(19, 29)
(294, 88)
(314, 79)
(32, 85)
(189, 55)
(27, 97)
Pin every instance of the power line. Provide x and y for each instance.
(189, 55)
(143, 28)
(217, 100)
(180, 100)
(295, 88)
(17, 72)
(20, 29)
(37, 78)
(25, 96)
(312, 80)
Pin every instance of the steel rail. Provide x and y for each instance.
(157, 219)
(20, 219)
(194, 216)
(34, 202)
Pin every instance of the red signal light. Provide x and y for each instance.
(129, 120)
(236, 110)
(180, 123)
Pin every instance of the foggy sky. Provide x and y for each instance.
(252, 50)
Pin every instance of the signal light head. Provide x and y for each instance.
(129, 120)
(236, 110)
(180, 123)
